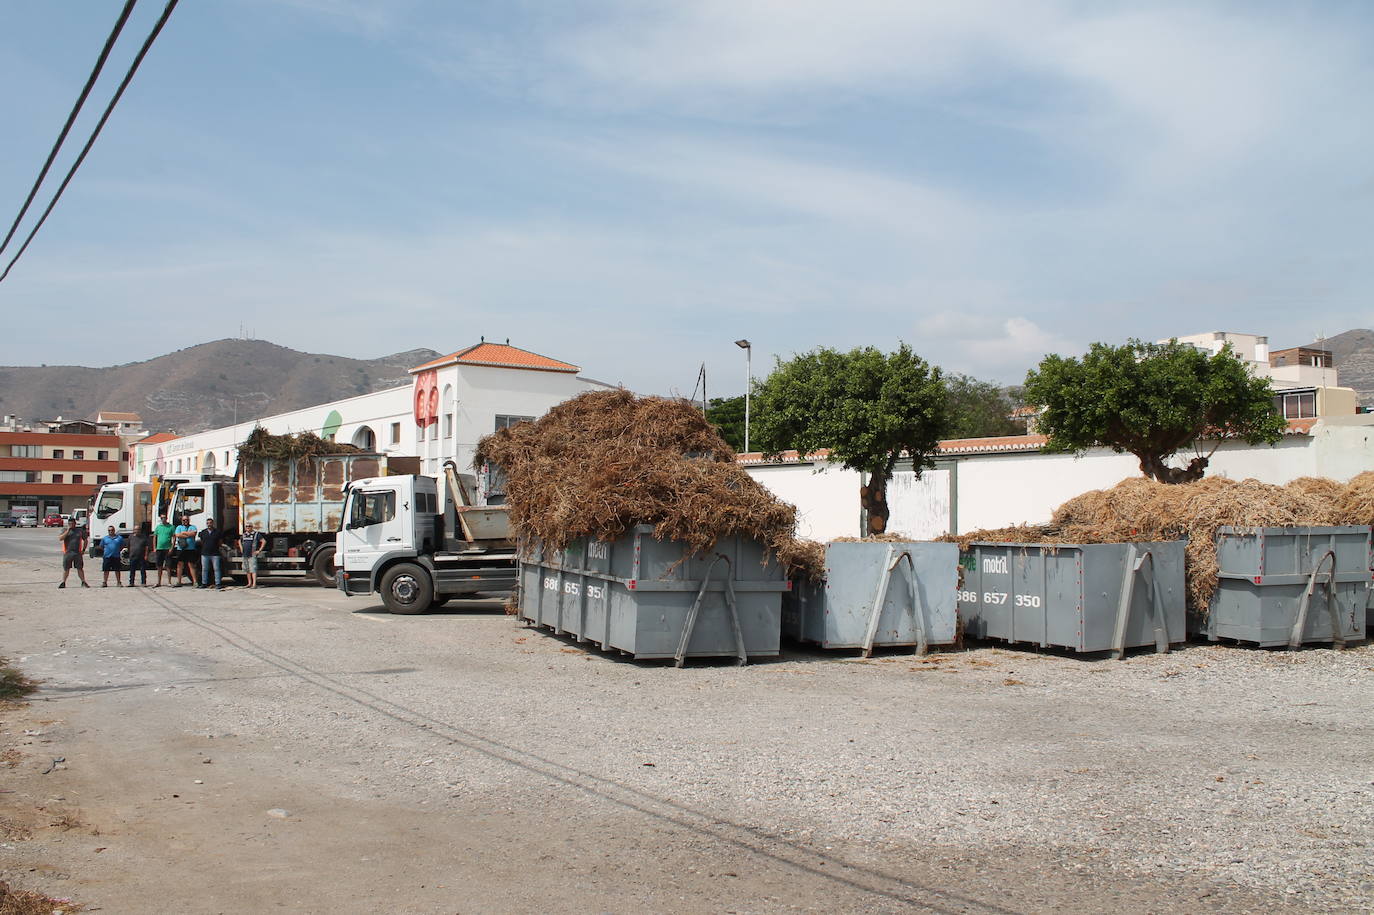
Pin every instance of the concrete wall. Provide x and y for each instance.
(998, 489)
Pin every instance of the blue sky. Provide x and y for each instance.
(631, 186)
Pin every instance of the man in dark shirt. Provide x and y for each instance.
(73, 541)
(210, 539)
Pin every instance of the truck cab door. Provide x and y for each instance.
(374, 524)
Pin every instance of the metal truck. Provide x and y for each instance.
(296, 502)
(124, 506)
(418, 547)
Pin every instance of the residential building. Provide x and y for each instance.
(1304, 377)
(52, 473)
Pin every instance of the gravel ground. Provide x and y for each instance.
(1213, 778)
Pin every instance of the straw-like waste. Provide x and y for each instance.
(1142, 510)
(262, 444)
(605, 461)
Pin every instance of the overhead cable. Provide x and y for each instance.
(71, 119)
(71, 172)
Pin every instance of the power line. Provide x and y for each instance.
(100, 125)
(71, 119)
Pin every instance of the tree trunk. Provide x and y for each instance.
(1155, 468)
(873, 497)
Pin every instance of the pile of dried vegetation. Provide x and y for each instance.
(26, 902)
(606, 461)
(1142, 510)
(262, 444)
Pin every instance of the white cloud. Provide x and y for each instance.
(1002, 349)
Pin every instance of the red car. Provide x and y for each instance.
(52, 521)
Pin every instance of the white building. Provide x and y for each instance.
(451, 403)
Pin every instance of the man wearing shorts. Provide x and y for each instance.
(251, 543)
(188, 556)
(110, 546)
(73, 541)
(164, 554)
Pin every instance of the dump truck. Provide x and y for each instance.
(417, 546)
(297, 503)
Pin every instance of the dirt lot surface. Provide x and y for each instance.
(291, 749)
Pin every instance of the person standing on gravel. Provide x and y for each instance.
(73, 541)
(164, 553)
(188, 561)
(110, 546)
(210, 540)
(140, 545)
(251, 543)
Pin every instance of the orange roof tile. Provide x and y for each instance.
(499, 355)
(119, 417)
(157, 438)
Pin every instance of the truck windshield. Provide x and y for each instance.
(110, 502)
(372, 508)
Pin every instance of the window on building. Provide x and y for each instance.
(1298, 405)
(178, 470)
(19, 476)
(57, 454)
(78, 454)
(395, 433)
(124, 456)
(78, 478)
(102, 478)
(57, 478)
(26, 451)
(102, 455)
(448, 425)
(433, 431)
(505, 422)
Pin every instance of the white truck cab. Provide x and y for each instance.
(401, 539)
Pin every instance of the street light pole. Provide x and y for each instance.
(748, 384)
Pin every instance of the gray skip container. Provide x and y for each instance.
(1085, 597)
(878, 594)
(1280, 586)
(648, 598)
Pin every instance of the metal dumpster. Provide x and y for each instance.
(878, 594)
(640, 595)
(1289, 585)
(1084, 597)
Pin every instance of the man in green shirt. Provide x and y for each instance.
(164, 554)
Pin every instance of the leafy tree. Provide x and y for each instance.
(727, 415)
(978, 409)
(871, 409)
(1152, 399)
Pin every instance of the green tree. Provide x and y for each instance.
(978, 409)
(1152, 400)
(727, 415)
(871, 409)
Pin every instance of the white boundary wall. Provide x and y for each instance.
(998, 489)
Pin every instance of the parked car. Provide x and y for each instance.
(28, 521)
(52, 521)
(8, 521)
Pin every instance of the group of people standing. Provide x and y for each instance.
(181, 551)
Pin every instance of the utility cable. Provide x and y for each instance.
(124, 84)
(71, 119)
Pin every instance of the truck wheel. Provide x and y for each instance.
(406, 588)
(322, 565)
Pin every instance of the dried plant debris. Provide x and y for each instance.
(605, 461)
(1142, 510)
(262, 444)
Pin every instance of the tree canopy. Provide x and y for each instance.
(1151, 400)
(978, 409)
(727, 415)
(871, 409)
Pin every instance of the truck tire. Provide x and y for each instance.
(322, 566)
(407, 589)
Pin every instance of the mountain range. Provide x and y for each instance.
(201, 387)
(1352, 353)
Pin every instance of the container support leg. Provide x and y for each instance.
(1300, 622)
(875, 614)
(1134, 565)
(689, 625)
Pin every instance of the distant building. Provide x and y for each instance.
(1304, 377)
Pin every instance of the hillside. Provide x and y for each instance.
(199, 387)
(1353, 355)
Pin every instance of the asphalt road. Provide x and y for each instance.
(292, 748)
